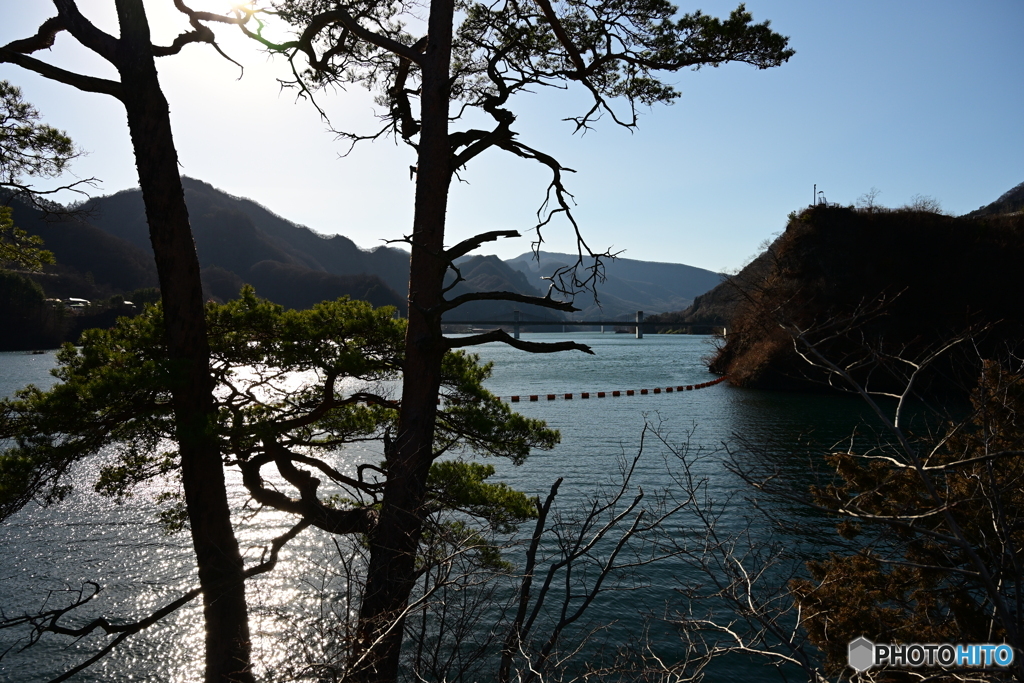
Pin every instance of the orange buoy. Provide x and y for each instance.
(600, 394)
(584, 395)
(616, 393)
(630, 392)
(551, 397)
(568, 397)
(533, 398)
(515, 399)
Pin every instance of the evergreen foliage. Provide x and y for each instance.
(285, 399)
(471, 58)
(17, 247)
(27, 147)
(451, 64)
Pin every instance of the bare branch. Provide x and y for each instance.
(542, 301)
(44, 38)
(506, 338)
(85, 83)
(308, 506)
(475, 242)
(570, 47)
(341, 16)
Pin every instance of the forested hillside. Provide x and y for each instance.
(239, 242)
(871, 286)
(104, 251)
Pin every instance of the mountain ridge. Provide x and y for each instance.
(104, 250)
(663, 287)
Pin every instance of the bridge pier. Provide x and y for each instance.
(639, 324)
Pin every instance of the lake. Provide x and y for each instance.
(48, 552)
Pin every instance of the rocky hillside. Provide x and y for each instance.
(865, 284)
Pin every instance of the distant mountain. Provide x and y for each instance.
(91, 263)
(491, 274)
(239, 241)
(715, 307)
(629, 285)
(1010, 202)
(105, 250)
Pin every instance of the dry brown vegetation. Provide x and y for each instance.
(895, 281)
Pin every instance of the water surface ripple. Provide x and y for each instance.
(121, 547)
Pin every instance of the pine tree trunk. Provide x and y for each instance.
(394, 542)
(219, 561)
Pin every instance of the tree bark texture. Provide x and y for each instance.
(217, 554)
(391, 575)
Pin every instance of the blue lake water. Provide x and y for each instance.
(120, 546)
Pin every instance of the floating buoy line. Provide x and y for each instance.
(605, 394)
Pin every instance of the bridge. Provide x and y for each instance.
(518, 322)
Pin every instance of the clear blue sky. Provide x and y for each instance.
(909, 96)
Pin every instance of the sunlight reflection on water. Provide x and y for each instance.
(91, 538)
